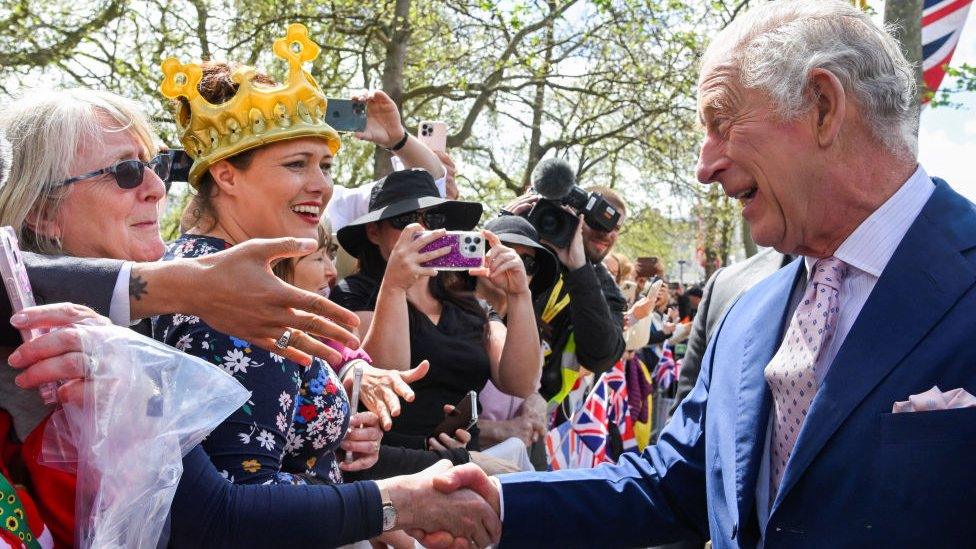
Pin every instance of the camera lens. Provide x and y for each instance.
(467, 240)
(477, 239)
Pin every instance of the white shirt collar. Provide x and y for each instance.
(873, 242)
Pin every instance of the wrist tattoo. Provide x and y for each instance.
(137, 287)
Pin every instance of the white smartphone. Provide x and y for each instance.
(19, 292)
(433, 133)
(357, 381)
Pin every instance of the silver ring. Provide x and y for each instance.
(282, 342)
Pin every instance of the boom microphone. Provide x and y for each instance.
(553, 178)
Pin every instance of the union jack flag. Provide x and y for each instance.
(942, 22)
(582, 442)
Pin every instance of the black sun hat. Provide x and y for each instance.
(407, 191)
(513, 229)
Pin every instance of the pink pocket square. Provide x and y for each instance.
(935, 399)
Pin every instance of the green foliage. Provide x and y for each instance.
(607, 84)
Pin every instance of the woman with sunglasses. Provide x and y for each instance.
(410, 312)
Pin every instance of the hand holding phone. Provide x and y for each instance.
(464, 416)
(345, 115)
(19, 292)
(467, 251)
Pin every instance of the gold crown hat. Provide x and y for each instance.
(257, 114)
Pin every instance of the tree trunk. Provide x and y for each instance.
(396, 53)
(906, 17)
(539, 108)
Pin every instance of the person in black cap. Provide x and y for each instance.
(447, 325)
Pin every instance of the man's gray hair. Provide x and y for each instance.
(776, 45)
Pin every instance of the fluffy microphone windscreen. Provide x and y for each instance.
(553, 178)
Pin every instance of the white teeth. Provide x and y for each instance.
(742, 195)
(306, 209)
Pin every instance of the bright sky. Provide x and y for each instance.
(947, 136)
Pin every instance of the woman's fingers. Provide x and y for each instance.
(424, 257)
(58, 342)
(360, 463)
(434, 445)
(63, 367)
(56, 315)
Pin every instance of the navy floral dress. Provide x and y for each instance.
(289, 430)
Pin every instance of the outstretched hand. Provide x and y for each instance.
(383, 125)
(381, 390)
(213, 293)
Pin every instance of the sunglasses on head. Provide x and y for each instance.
(431, 220)
(531, 265)
(128, 173)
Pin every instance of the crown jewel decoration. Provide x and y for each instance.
(257, 114)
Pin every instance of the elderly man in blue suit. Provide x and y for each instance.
(789, 437)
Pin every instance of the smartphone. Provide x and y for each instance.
(346, 115)
(357, 382)
(433, 133)
(467, 251)
(21, 295)
(464, 416)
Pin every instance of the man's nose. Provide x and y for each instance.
(711, 160)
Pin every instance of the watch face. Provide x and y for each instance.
(389, 517)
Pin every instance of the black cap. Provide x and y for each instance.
(407, 191)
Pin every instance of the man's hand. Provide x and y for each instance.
(455, 513)
(381, 390)
(236, 293)
(57, 356)
(574, 256)
(491, 465)
(522, 204)
(470, 477)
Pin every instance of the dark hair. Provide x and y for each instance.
(452, 287)
(216, 86)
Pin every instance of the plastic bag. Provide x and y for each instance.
(146, 405)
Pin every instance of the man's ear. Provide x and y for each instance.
(373, 233)
(226, 177)
(830, 107)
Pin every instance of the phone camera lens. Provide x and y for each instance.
(477, 240)
(467, 240)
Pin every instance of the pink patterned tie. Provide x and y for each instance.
(792, 373)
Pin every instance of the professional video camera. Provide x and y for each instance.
(553, 178)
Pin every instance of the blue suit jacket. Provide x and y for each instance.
(860, 476)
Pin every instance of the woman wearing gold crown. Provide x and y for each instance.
(262, 158)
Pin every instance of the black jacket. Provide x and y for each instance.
(595, 315)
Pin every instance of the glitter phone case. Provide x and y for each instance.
(467, 251)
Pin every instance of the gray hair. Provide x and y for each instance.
(776, 45)
(47, 130)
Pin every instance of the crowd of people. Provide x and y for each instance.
(340, 311)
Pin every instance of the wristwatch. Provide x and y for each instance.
(389, 511)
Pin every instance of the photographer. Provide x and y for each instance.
(582, 315)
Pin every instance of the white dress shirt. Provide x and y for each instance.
(867, 252)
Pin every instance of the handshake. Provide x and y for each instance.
(445, 507)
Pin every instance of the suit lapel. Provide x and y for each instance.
(923, 279)
(753, 399)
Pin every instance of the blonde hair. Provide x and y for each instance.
(47, 130)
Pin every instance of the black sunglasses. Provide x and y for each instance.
(128, 173)
(531, 265)
(432, 220)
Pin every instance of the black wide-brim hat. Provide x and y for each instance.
(407, 191)
(513, 229)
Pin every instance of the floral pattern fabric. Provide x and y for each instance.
(290, 428)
